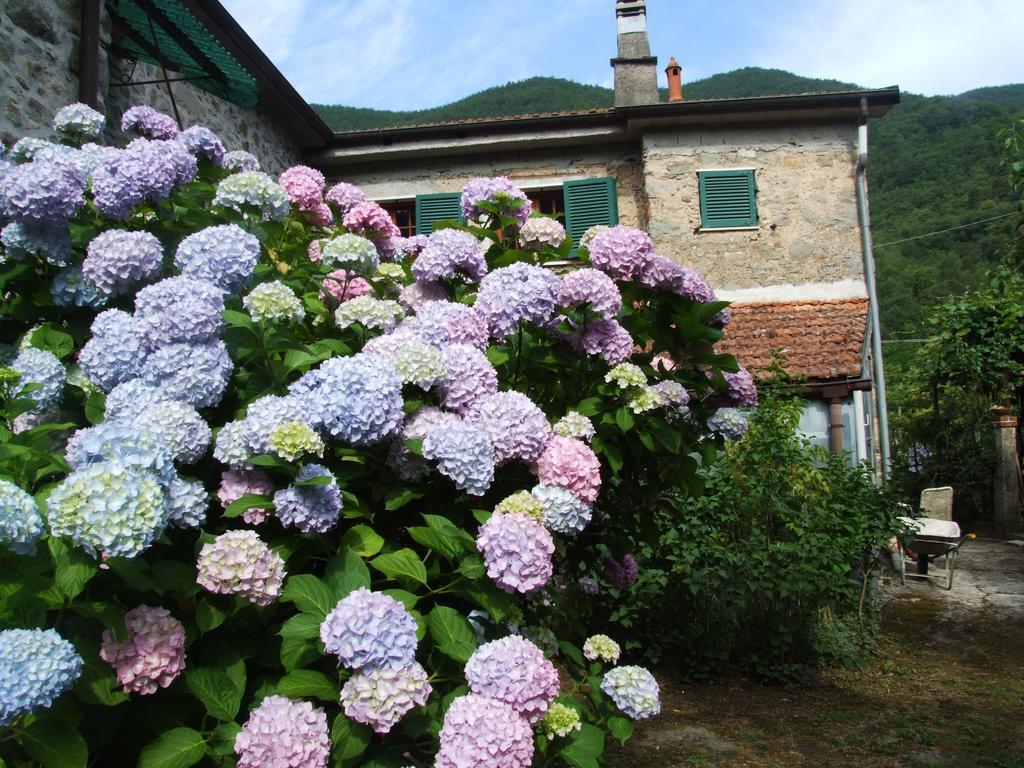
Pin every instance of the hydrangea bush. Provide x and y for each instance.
(279, 487)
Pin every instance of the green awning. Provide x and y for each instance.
(165, 32)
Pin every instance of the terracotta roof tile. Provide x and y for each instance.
(821, 339)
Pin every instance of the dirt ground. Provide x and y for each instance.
(945, 690)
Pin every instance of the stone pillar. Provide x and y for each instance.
(1006, 481)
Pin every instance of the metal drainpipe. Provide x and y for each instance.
(89, 54)
(869, 277)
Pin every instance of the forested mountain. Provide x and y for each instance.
(934, 165)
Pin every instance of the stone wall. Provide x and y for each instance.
(404, 179)
(39, 65)
(807, 210)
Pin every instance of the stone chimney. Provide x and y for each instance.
(636, 71)
(675, 80)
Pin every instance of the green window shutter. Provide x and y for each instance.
(589, 202)
(433, 208)
(727, 199)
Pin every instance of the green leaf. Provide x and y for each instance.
(222, 741)
(54, 340)
(402, 565)
(589, 407)
(308, 682)
(309, 594)
(624, 418)
(301, 626)
(414, 445)
(584, 747)
(347, 563)
(452, 632)
(219, 693)
(621, 728)
(177, 748)
(350, 741)
(248, 501)
(448, 547)
(362, 540)
(208, 615)
(297, 653)
(73, 570)
(396, 498)
(237, 319)
(55, 744)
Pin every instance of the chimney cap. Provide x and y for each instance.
(672, 63)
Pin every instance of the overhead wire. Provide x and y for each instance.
(950, 229)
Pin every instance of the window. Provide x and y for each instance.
(589, 202)
(403, 214)
(431, 209)
(727, 199)
(550, 202)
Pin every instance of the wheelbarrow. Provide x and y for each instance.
(929, 539)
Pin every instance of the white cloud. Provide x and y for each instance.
(924, 46)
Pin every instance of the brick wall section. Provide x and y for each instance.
(39, 64)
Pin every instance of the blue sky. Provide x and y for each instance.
(412, 54)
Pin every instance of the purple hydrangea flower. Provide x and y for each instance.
(517, 428)
(409, 247)
(588, 585)
(116, 260)
(517, 551)
(240, 563)
(416, 294)
(514, 670)
(146, 121)
(202, 142)
(620, 574)
(345, 196)
(608, 339)
(179, 310)
(311, 508)
(26, 240)
(281, 733)
(371, 220)
(464, 454)
(450, 254)
(170, 164)
(236, 483)
(224, 255)
(42, 192)
(620, 251)
(381, 697)
(634, 690)
(152, 656)
(741, 391)
(196, 374)
(517, 293)
(665, 275)
(441, 323)
(418, 425)
(498, 191)
(370, 630)
(593, 288)
(471, 377)
(238, 160)
(479, 731)
(729, 423)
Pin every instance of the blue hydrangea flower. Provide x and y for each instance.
(132, 397)
(36, 666)
(231, 446)
(91, 156)
(70, 288)
(450, 254)
(29, 148)
(202, 142)
(357, 399)
(634, 690)
(42, 192)
(143, 120)
(196, 374)
(171, 165)
(224, 255)
(108, 509)
(240, 160)
(253, 190)
(446, 322)
(729, 423)
(116, 260)
(117, 350)
(79, 121)
(146, 170)
(471, 377)
(26, 240)
(498, 191)
(464, 454)
(563, 512)
(370, 630)
(180, 310)
(351, 252)
(38, 366)
(265, 414)
(310, 508)
(187, 502)
(129, 445)
(179, 426)
(517, 428)
(21, 525)
(517, 293)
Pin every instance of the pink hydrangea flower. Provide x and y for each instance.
(370, 220)
(380, 698)
(570, 464)
(591, 287)
(345, 196)
(236, 483)
(518, 429)
(621, 251)
(514, 670)
(342, 285)
(303, 185)
(418, 293)
(240, 563)
(319, 215)
(480, 732)
(152, 656)
(315, 249)
(517, 551)
(281, 733)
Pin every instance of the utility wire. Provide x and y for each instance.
(941, 231)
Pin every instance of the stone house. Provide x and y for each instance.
(766, 197)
